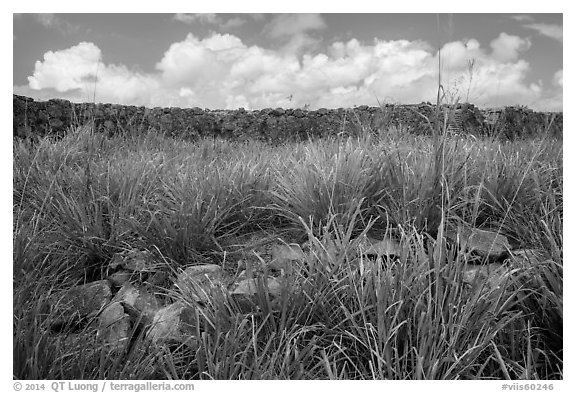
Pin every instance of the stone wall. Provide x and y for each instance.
(56, 116)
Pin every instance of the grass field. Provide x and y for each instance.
(81, 199)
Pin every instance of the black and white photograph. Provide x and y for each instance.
(362, 195)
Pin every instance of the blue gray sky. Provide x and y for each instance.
(227, 61)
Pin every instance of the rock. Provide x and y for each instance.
(127, 294)
(175, 322)
(114, 326)
(119, 278)
(249, 287)
(79, 302)
(246, 291)
(143, 301)
(55, 123)
(291, 252)
(385, 248)
(198, 281)
(284, 256)
(299, 113)
(158, 279)
(492, 274)
(134, 260)
(486, 244)
(147, 303)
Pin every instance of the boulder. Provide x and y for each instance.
(196, 282)
(79, 302)
(249, 287)
(486, 244)
(385, 248)
(245, 294)
(144, 303)
(246, 291)
(114, 326)
(147, 303)
(285, 256)
(175, 322)
(119, 278)
(490, 275)
(127, 294)
(299, 113)
(277, 112)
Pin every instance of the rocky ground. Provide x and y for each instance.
(143, 297)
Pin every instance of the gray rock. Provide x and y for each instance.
(491, 276)
(196, 282)
(114, 326)
(249, 287)
(127, 294)
(286, 256)
(386, 247)
(299, 113)
(144, 302)
(175, 322)
(119, 278)
(246, 293)
(79, 302)
(486, 244)
(147, 303)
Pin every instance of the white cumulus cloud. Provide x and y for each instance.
(221, 71)
(66, 69)
(80, 69)
(558, 76)
(508, 47)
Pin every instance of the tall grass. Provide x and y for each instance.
(81, 199)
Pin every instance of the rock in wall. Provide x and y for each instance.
(56, 116)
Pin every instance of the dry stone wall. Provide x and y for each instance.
(278, 125)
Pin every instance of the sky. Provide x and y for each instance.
(302, 60)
